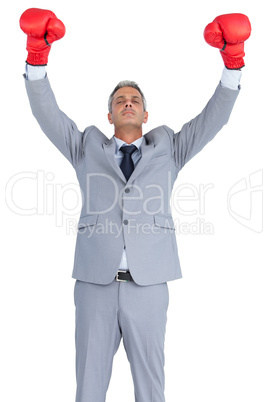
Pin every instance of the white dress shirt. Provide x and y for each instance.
(135, 157)
(229, 79)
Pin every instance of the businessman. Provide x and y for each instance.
(126, 249)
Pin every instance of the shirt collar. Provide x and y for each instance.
(119, 143)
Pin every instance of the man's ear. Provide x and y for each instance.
(146, 115)
(110, 118)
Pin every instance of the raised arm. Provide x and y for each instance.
(227, 33)
(42, 28)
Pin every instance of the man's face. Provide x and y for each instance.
(127, 109)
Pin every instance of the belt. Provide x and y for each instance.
(123, 276)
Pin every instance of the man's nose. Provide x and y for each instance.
(128, 104)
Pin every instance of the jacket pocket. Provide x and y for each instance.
(88, 220)
(159, 159)
(165, 222)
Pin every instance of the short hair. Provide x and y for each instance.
(122, 84)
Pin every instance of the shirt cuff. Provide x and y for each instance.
(35, 72)
(231, 78)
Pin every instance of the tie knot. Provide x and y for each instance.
(128, 149)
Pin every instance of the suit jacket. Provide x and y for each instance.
(134, 214)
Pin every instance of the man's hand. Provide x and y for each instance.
(42, 28)
(228, 33)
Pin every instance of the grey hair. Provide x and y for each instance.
(122, 84)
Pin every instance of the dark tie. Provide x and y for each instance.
(127, 164)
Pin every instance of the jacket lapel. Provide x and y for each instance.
(146, 153)
(109, 149)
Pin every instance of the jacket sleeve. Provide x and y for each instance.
(61, 130)
(195, 134)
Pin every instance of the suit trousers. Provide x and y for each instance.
(105, 314)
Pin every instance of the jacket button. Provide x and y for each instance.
(125, 222)
(127, 190)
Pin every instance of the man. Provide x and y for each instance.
(126, 248)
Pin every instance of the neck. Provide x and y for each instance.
(128, 136)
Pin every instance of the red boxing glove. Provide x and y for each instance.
(228, 33)
(42, 28)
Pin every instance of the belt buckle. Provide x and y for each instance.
(117, 276)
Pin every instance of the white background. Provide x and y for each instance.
(216, 341)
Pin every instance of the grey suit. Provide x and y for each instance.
(118, 214)
(139, 209)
